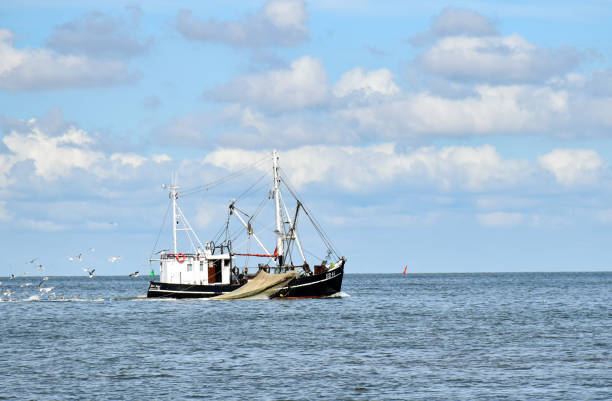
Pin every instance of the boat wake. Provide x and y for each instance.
(339, 295)
(37, 298)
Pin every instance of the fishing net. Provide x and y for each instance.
(263, 285)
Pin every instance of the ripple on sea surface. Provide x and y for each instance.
(455, 336)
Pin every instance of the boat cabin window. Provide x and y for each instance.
(201, 265)
(189, 267)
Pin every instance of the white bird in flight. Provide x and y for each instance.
(135, 274)
(91, 272)
(45, 290)
(113, 259)
(79, 257)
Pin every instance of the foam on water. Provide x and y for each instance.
(339, 295)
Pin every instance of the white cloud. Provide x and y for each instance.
(277, 23)
(561, 110)
(129, 159)
(42, 69)
(491, 110)
(304, 84)
(466, 46)
(456, 22)
(162, 158)
(41, 225)
(99, 34)
(5, 215)
(365, 168)
(256, 129)
(286, 14)
(33, 152)
(6, 164)
(53, 157)
(501, 219)
(573, 167)
(368, 83)
(507, 59)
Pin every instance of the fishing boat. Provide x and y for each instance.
(216, 269)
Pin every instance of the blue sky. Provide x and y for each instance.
(449, 137)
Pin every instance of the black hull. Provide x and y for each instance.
(315, 286)
(167, 290)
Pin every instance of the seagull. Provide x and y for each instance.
(41, 267)
(42, 281)
(113, 259)
(33, 260)
(45, 290)
(78, 257)
(91, 272)
(12, 276)
(135, 274)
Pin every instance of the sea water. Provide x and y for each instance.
(526, 336)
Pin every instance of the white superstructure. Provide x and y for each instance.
(201, 266)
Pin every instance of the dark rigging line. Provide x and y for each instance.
(314, 222)
(221, 180)
(160, 229)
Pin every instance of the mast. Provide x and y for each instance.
(173, 196)
(279, 221)
(177, 214)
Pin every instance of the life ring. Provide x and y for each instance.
(180, 257)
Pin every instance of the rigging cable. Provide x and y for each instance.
(225, 228)
(314, 222)
(313, 255)
(160, 229)
(246, 192)
(221, 180)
